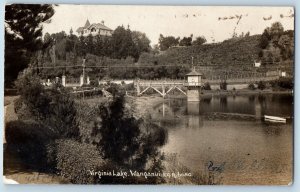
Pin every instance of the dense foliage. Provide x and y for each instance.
(126, 140)
(28, 140)
(76, 161)
(23, 33)
(276, 44)
(54, 107)
(170, 41)
(122, 44)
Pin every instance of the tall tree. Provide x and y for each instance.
(141, 41)
(122, 44)
(167, 42)
(23, 32)
(186, 41)
(199, 40)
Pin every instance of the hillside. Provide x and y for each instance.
(234, 57)
(239, 51)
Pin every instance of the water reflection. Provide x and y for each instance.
(194, 120)
(198, 139)
(256, 105)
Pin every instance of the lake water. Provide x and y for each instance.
(249, 150)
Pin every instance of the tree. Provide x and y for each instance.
(186, 41)
(122, 44)
(47, 40)
(223, 85)
(167, 42)
(264, 41)
(285, 44)
(141, 41)
(80, 47)
(23, 32)
(276, 29)
(261, 85)
(89, 40)
(199, 41)
(53, 107)
(99, 46)
(127, 141)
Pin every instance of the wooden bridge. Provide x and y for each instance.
(164, 87)
(161, 87)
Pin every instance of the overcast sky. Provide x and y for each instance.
(215, 23)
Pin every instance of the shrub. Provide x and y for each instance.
(94, 83)
(28, 141)
(53, 107)
(284, 83)
(223, 85)
(207, 86)
(251, 86)
(75, 160)
(261, 85)
(62, 116)
(33, 95)
(116, 89)
(124, 139)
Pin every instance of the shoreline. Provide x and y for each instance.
(210, 93)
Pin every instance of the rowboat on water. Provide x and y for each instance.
(274, 119)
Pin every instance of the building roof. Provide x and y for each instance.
(87, 23)
(80, 29)
(99, 26)
(89, 26)
(194, 73)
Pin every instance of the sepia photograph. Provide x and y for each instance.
(155, 95)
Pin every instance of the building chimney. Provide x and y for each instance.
(102, 22)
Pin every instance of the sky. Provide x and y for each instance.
(216, 24)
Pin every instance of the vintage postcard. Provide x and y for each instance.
(128, 94)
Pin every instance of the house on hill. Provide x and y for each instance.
(94, 29)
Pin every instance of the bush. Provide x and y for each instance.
(251, 86)
(52, 107)
(124, 139)
(33, 95)
(223, 85)
(207, 86)
(28, 141)
(75, 160)
(94, 83)
(261, 85)
(284, 83)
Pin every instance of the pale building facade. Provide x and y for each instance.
(94, 29)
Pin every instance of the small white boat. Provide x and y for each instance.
(274, 119)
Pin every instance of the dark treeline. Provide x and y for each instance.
(170, 41)
(122, 44)
(152, 73)
(171, 72)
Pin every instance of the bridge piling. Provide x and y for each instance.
(138, 90)
(163, 90)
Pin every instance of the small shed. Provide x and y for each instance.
(194, 78)
(257, 64)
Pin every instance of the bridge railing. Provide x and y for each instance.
(244, 80)
(210, 81)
